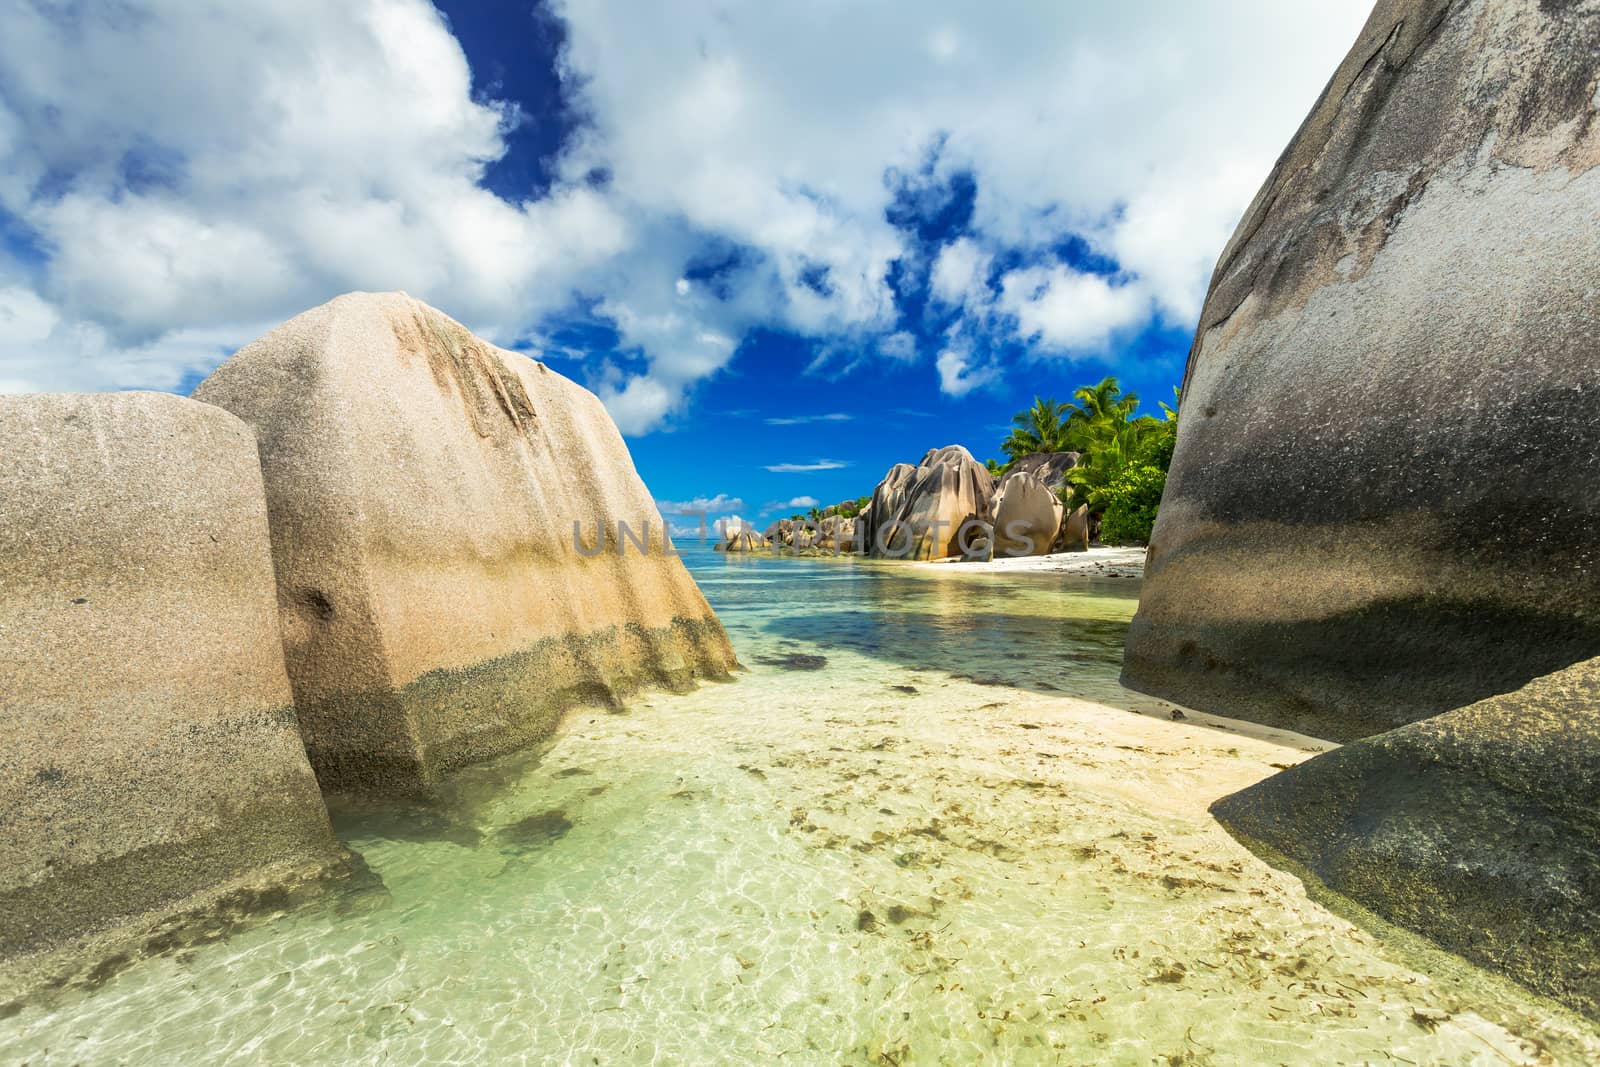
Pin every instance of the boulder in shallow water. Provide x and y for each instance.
(152, 767)
(1027, 517)
(1385, 498)
(930, 511)
(1475, 828)
(745, 540)
(445, 525)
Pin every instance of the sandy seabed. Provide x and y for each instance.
(861, 860)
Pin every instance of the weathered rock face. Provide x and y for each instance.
(434, 509)
(1475, 828)
(837, 534)
(1027, 517)
(1049, 467)
(1400, 343)
(151, 766)
(919, 512)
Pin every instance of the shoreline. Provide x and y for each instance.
(1100, 561)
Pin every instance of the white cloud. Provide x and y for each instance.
(960, 274)
(900, 346)
(700, 505)
(301, 148)
(231, 165)
(958, 375)
(1144, 128)
(1070, 311)
(806, 468)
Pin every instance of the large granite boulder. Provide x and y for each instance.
(151, 768)
(1027, 517)
(930, 511)
(743, 540)
(1049, 467)
(836, 534)
(463, 547)
(1074, 530)
(1385, 496)
(1475, 828)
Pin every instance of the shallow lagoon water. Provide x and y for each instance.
(926, 827)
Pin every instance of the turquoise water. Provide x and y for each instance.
(925, 827)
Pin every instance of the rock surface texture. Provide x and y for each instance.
(1027, 517)
(920, 512)
(151, 768)
(1401, 342)
(1475, 828)
(436, 506)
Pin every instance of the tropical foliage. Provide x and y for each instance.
(1123, 461)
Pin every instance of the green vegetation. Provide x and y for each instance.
(1122, 467)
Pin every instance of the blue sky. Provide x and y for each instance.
(788, 245)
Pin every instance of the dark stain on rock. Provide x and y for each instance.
(318, 604)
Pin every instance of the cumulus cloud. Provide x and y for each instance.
(1141, 129)
(959, 374)
(284, 153)
(290, 151)
(960, 274)
(805, 468)
(700, 505)
(800, 502)
(1071, 311)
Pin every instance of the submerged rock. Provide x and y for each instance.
(152, 770)
(931, 511)
(1027, 517)
(463, 547)
(1475, 828)
(1384, 498)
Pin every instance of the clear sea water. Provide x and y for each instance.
(925, 827)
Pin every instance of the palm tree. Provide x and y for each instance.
(1039, 429)
(1101, 403)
